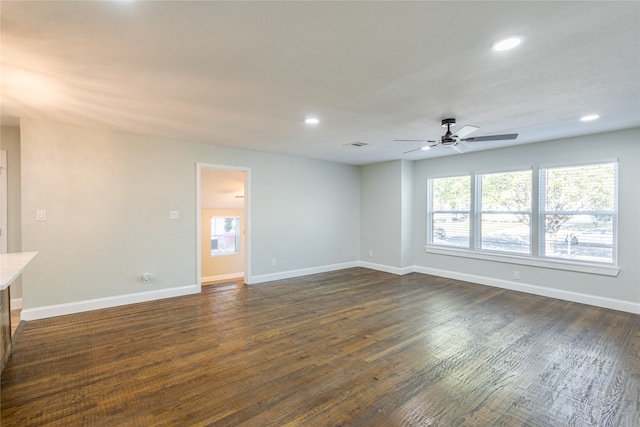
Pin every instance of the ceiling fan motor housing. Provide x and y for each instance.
(448, 138)
(448, 122)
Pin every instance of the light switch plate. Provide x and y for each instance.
(41, 215)
(174, 214)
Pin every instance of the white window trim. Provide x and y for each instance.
(604, 269)
(614, 213)
(212, 254)
(591, 268)
(478, 212)
(468, 212)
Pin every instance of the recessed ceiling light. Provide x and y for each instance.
(506, 44)
(589, 118)
(311, 121)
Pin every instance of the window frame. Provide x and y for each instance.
(479, 212)
(542, 212)
(237, 227)
(537, 226)
(468, 212)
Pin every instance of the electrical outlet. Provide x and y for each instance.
(274, 262)
(146, 278)
(516, 275)
(370, 252)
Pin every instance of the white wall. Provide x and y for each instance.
(593, 288)
(108, 196)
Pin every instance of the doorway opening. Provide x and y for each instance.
(223, 224)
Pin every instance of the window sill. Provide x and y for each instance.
(604, 270)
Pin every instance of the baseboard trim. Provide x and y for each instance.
(99, 303)
(386, 268)
(263, 278)
(603, 302)
(107, 302)
(16, 303)
(222, 277)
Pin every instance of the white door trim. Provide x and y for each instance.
(247, 213)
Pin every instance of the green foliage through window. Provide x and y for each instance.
(576, 216)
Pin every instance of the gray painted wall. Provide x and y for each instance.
(381, 213)
(406, 213)
(108, 197)
(623, 146)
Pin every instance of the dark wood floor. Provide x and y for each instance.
(354, 347)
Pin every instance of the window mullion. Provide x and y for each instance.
(474, 213)
(537, 234)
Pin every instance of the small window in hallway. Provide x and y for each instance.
(225, 235)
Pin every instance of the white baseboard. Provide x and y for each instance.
(298, 273)
(223, 277)
(16, 303)
(99, 303)
(581, 298)
(386, 268)
(107, 302)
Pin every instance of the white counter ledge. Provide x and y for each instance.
(11, 265)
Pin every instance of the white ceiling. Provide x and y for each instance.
(222, 189)
(246, 74)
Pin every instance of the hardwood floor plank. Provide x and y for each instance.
(353, 347)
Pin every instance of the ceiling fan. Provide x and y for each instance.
(453, 140)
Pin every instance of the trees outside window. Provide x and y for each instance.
(450, 208)
(575, 220)
(505, 211)
(578, 208)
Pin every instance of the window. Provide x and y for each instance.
(450, 204)
(505, 211)
(578, 208)
(225, 236)
(572, 218)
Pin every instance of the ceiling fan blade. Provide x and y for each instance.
(411, 151)
(491, 137)
(460, 148)
(466, 130)
(413, 140)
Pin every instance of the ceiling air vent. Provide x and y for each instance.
(355, 144)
